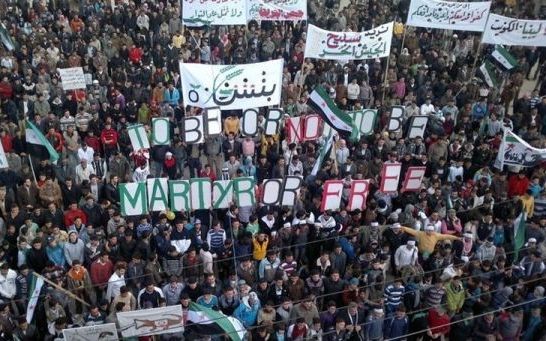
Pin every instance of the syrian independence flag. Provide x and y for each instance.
(325, 150)
(331, 114)
(205, 321)
(519, 232)
(488, 71)
(35, 136)
(6, 38)
(504, 57)
(36, 284)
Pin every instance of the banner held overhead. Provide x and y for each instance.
(510, 31)
(448, 15)
(375, 43)
(232, 87)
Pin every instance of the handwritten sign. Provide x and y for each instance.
(213, 12)
(100, 332)
(72, 78)
(281, 10)
(509, 31)
(231, 87)
(515, 151)
(449, 15)
(322, 44)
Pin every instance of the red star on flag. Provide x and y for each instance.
(332, 117)
(510, 146)
(323, 104)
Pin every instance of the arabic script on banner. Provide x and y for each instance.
(375, 43)
(510, 31)
(468, 16)
(282, 10)
(214, 12)
(232, 86)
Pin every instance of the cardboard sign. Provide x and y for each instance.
(133, 199)
(396, 119)
(331, 195)
(302, 128)
(281, 192)
(390, 177)
(414, 179)
(365, 120)
(358, 194)
(72, 78)
(418, 126)
(138, 136)
(161, 131)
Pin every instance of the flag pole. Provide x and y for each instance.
(384, 85)
(32, 168)
(56, 286)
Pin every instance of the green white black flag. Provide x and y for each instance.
(205, 321)
(488, 71)
(504, 57)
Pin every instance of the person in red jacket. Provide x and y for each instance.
(5, 138)
(438, 323)
(6, 89)
(135, 54)
(109, 139)
(101, 270)
(518, 184)
(55, 138)
(93, 141)
(72, 213)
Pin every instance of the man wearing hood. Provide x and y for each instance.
(74, 249)
(247, 311)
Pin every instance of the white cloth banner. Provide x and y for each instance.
(151, 321)
(510, 31)
(322, 44)
(100, 332)
(281, 10)
(449, 15)
(213, 12)
(232, 87)
(72, 78)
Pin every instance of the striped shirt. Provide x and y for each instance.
(393, 295)
(216, 239)
(434, 296)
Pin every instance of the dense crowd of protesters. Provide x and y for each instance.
(435, 264)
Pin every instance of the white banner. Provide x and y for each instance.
(213, 12)
(322, 44)
(278, 10)
(100, 332)
(151, 321)
(510, 31)
(72, 78)
(449, 15)
(232, 87)
(515, 151)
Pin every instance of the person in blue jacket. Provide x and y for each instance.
(171, 95)
(247, 311)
